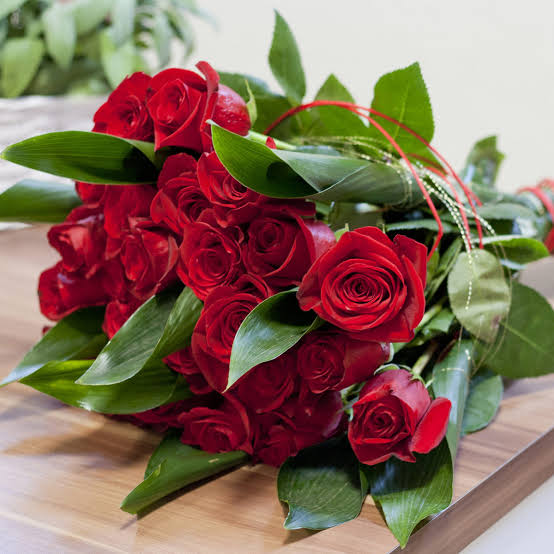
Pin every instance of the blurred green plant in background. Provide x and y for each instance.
(88, 46)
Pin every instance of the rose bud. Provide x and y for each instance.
(61, 292)
(183, 362)
(179, 199)
(181, 102)
(333, 360)
(209, 256)
(369, 285)
(91, 195)
(222, 429)
(281, 247)
(124, 114)
(396, 417)
(117, 313)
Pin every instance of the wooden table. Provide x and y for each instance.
(65, 471)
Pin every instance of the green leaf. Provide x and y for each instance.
(447, 261)
(59, 33)
(118, 61)
(479, 294)
(520, 250)
(123, 20)
(403, 96)
(162, 35)
(251, 105)
(88, 157)
(89, 14)
(525, 345)
(418, 224)
(483, 400)
(9, 6)
(175, 465)
(147, 390)
(162, 325)
(451, 380)
(21, 58)
(77, 335)
(293, 174)
(438, 325)
(410, 492)
(483, 163)
(504, 210)
(322, 486)
(32, 201)
(284, 61)
(269, 330)
(182, 29)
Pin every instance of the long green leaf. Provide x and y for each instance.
(77, 335)
(88, 157)
(149, 389)
(163, 324)
(322, 485)
(409, 492)
(118, 61)
(483, 400)
(483, 163)
(269, 330)
(516, 249)
(479, 294)
(175, 465)
(284, 61)
(20, 61)
(32, 201)
(89, 14)
(525, 344)
(123, 20)
(60, 33)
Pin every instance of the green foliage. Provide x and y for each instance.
(59, 33)
(517, 251)
(117, 61)
(15, 75)
(483, 163)
(322, 485)
(483, 400)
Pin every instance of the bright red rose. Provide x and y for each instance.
(183, 362)
(181, 102)
(281, 248)
(233, 203)
(369, 285)
(117, 313)
(212, 339)
(80, 240)
(396, 417)
(222, 429)
(61, 292)
(209, 256)
(92, 195)
(124, 114)
(333, 361)
(179, 199)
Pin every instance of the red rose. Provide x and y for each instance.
(233, 203)
(183, 362)
(117, 313)
(181, 102)
(179, 199)
(267, 386)
(333, 360)
(124, 114)
(369, 285)
(282, 247)
(395, 416)
(92, 195)
(212, 339)
(209, 256)
(274, 439)
(123, 202)
(80, 240)
(61, 292)
(222, 429)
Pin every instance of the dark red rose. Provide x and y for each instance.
(222, 429)
(124, 202)
(61, 292)
(80, 240)
(183, 362)
(212, 339)
(281, 247)
(209, 256)
(333, 361)
(396, 417)
(274, 439)
(267, 386)
(117, 313)
(369, 285)
(233, 203)
(181, 102)
(92, 195)
(124, 114)
(179, 199)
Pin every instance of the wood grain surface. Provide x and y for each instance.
(65, 471)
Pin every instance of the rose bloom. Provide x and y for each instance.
(181, 102)
(124, 114)
(333, 361)
(91, 195)
(396, 417)
(117, 313)
(369, 285)
(183, 362)
(281, 247)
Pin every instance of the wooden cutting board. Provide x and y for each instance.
(65, 471)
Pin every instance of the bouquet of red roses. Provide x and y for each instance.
(310, 286)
